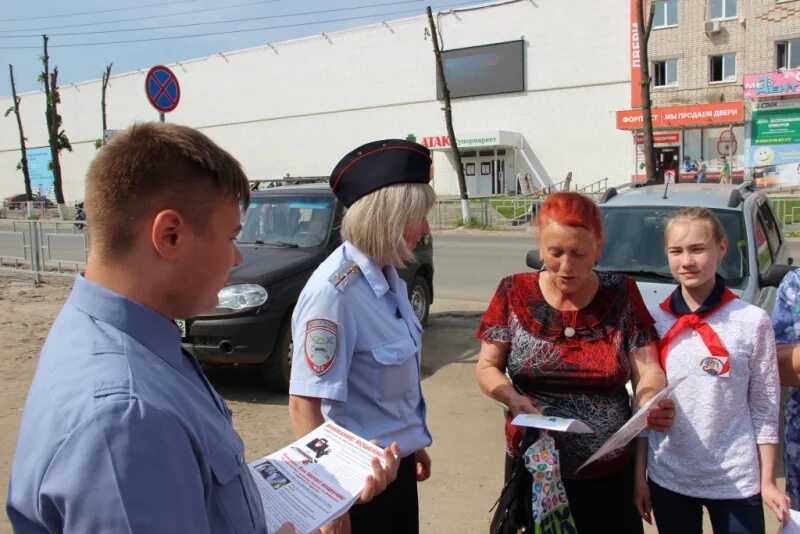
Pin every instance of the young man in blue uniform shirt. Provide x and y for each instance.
(357, 342)
(121, 431)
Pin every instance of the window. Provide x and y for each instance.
(722, 68)
(762, 247)
(665, 14)
(788, 54)
(723, 9)
(771, 227)
(641, 251)
(665, 73)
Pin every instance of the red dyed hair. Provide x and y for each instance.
(572, 209)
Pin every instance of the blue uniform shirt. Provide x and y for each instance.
(122, 433)
(357, 347)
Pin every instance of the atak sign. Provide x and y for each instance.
(162, 89)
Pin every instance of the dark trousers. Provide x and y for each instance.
(604, 505)
(600, 505)
(681, 514)
(396, 510)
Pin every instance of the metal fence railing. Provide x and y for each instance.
(787, 211)
(37, 247)
(39, 210)
(488, 212)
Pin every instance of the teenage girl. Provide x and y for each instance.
(721, 451)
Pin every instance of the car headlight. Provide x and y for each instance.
(241, 297)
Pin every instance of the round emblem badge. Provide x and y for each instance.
(711, 366)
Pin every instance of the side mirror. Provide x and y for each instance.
(532, 259)
(775, 274)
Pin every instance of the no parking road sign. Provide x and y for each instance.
(162, 89)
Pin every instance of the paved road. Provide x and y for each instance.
(468, 266)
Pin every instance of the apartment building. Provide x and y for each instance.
(703, 55)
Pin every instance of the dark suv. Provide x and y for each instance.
(633, 225)
(287, 232)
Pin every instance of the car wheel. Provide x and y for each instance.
(420, 299)
(278, 367)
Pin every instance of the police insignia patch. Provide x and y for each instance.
(321, 345)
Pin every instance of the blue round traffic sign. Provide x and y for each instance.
(162, 88)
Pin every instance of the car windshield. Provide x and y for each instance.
(634, 243)
(287, 221)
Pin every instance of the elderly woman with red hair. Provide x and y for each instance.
(564, 341)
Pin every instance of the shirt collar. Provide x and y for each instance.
(678, 306)
(371, 270)
(154, 331)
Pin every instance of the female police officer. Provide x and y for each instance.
(357, 345)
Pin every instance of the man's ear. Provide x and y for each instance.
(169, 231)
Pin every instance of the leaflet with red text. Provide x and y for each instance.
(315, 479)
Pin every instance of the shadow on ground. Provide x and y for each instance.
(243, 383)
(449, 338)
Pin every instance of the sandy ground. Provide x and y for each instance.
(467, 428)
(467, 453)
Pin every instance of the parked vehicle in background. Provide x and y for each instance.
(287, 232)
(633, 223)
(18, 201)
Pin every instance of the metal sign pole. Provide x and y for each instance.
(161, 116)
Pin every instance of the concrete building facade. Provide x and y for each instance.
(296, 107)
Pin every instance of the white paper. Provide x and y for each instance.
(793, 525)
(634, 426)
(559, 424)
(315, 479)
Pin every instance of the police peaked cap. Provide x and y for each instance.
(378, 164)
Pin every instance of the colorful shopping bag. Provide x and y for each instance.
(550, 508)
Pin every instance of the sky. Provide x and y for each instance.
(84, 35)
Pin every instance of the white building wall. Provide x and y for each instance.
(298, 106)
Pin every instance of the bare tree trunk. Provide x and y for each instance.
(51, 114)
(448, 118)
(647, 104)
(23, 162)
(106, 76)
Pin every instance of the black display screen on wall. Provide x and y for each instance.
(484, 70)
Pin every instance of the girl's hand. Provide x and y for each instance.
(641, 498)
(777, 501)
(520, 404)
(661, 417)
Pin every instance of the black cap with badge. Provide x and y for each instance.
(378, 164)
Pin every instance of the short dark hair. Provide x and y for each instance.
(151, 167)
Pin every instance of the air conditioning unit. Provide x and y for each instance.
(712, 27)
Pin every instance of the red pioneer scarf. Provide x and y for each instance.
(695, 320)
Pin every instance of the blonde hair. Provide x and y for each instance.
(375, 223)
(696, 215)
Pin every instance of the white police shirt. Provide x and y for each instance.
(357, 347)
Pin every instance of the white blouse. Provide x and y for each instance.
(710, 451)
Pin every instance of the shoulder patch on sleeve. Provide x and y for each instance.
(321, 344)
(347, 273)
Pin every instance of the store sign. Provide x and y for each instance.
(780, 83)
(778, 126)
(443, 141)
(661, 139)
(775, 136)
(635, 58)
(697, 115)
(472, 140)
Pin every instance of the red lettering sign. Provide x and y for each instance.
(636, 67)
(695, 115)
